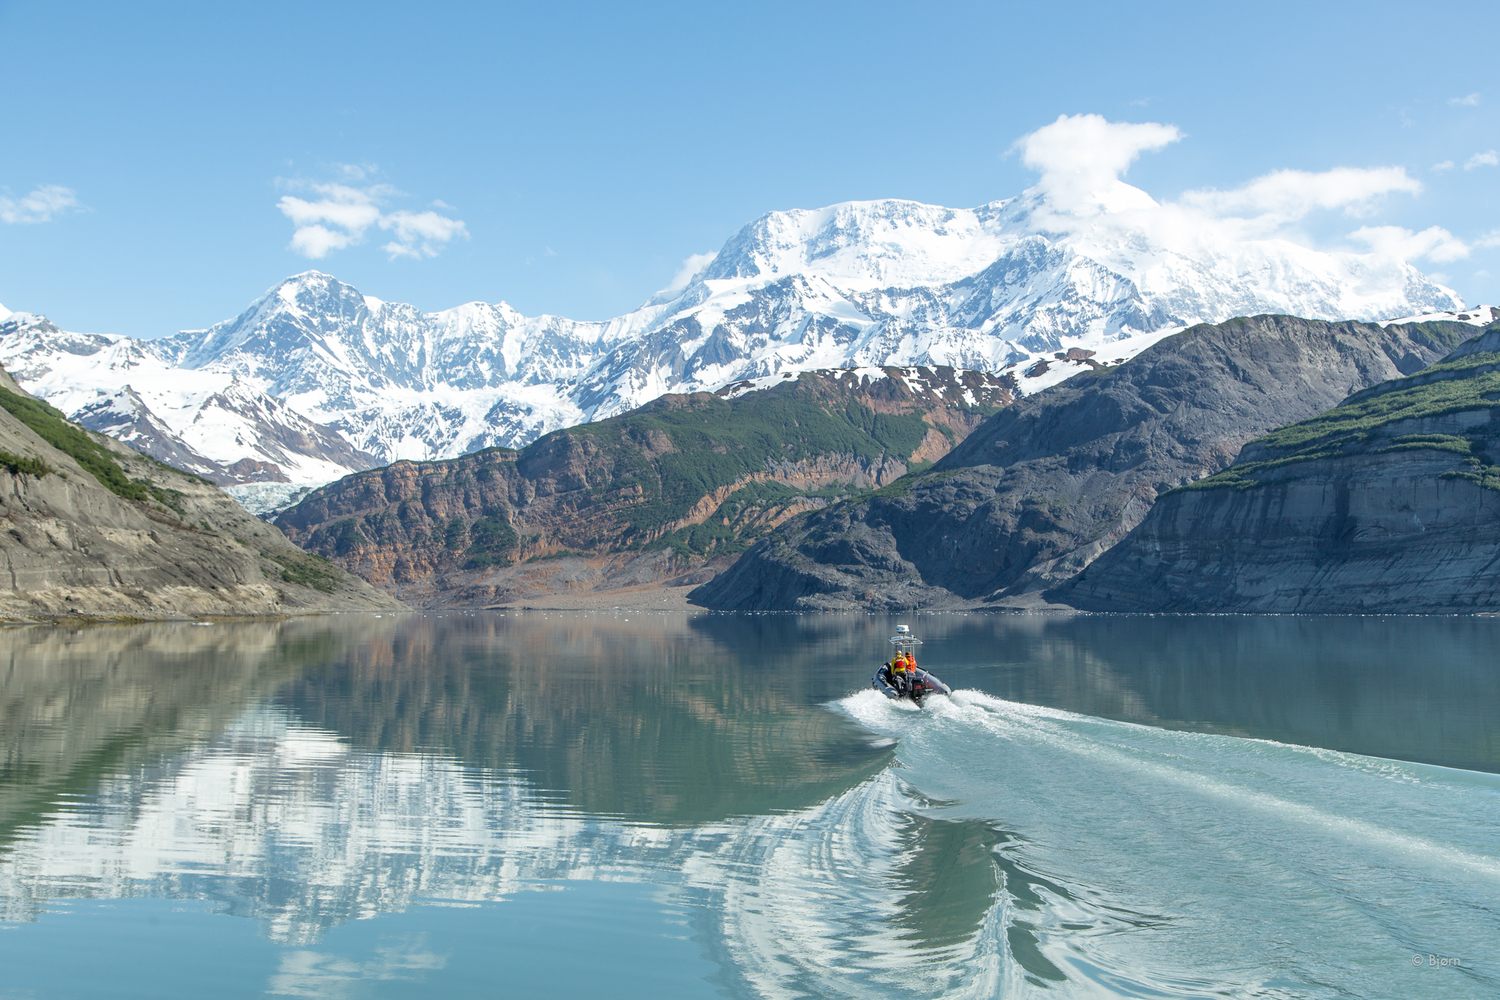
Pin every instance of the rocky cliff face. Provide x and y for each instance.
(1389, 503)
(1039, 490)
(655, 494)
(95, 530)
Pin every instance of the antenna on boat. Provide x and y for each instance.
(903, 639)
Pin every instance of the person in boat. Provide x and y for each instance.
(912, 681)
(897, 667)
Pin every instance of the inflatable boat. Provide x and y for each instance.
(912, 685)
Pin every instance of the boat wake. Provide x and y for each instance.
(1003, 850)
(1011, 849)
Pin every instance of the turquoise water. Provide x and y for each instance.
(548, 804)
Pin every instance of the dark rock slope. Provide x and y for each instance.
(1389, 502)
(655, 494)
(96, 530)
(1040, 489)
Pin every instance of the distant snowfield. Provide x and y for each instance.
(1477, 316)
(317, 379)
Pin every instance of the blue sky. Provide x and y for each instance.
(160, 158)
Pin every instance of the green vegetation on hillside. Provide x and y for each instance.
(715, 444)
(1362, 421)
(307, 570)
(24, 465)
(696, 476)
(492, 542)
(51, 426)
(743, 517)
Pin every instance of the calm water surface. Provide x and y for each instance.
(619, 805)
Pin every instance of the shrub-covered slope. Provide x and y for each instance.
(1041, 488)
(647, 496)
(1388, 502)
(95, 530)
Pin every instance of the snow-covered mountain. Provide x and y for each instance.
(861, 283)
(202, 420)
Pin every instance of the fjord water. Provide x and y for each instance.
(642, 805)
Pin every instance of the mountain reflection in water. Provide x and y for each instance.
(310, 773)
(318, 773)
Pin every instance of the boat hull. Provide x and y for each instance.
(924, 684)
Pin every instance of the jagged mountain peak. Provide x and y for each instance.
(15, 322)
(310, 282)
(885, 282)
(861, 244)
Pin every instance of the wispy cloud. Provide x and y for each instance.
(41, 204)
(1466, 101)
(691, 267)
(1285, 196)
(327, 216)
(1082, 159)
(1489, 241)
(1442, 166)
(1488, 158)
(1433, 243)
(420, 234)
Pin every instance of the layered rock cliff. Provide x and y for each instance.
(1040, 489)
(96, 530)
(1390, 502)
(652, 495)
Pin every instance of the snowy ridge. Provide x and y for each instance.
(1477, 316)
(205, 421)
(862, 285)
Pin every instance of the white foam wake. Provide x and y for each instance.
(1143, 861)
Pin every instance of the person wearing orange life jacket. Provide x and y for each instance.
(911, 670)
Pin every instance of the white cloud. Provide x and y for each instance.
(689, 270)
(1488, 158)
(1285, 196)
(342, 206)
(41, 204)
(1489, 241)
(420, 234)
(355, 172)
(316, 242)
(332, 216)
(1433, 243)
(1441, 166)
(1081, 158)
(1466, 101)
